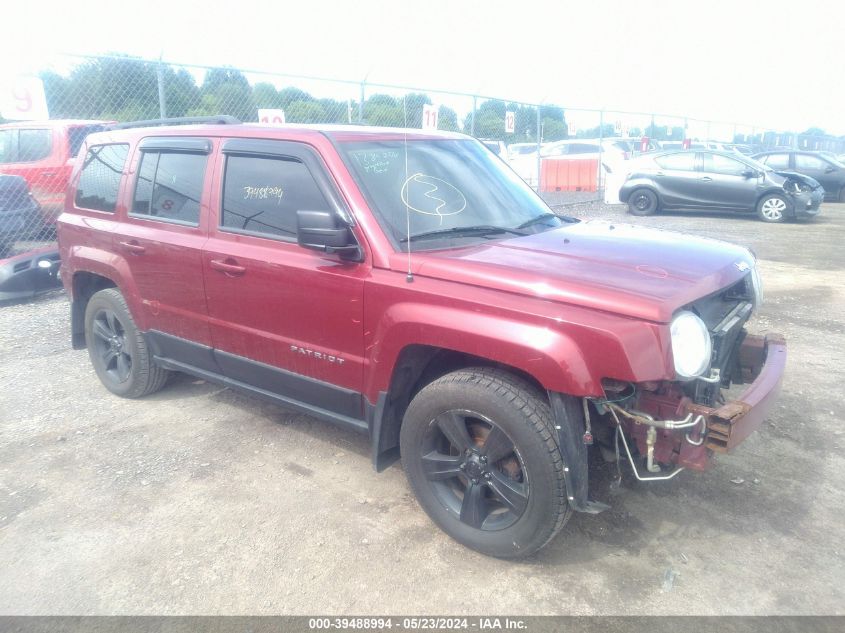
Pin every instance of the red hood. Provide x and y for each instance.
(630, 270)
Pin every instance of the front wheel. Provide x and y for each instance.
(480, 452)
(772, 208)
(642, 202)
(117, 349)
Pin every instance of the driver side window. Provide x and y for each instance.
(262, 195)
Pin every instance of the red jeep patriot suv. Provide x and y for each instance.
(410, 286)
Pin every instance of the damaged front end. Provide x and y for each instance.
(806, 193)
(664, 427)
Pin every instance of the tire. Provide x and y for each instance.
(772, 208)
(117, 349)
(508, 506)
(643, 202)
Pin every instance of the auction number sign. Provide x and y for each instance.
(272, 116)
(429, 117)
(510, 122)
(23, 99)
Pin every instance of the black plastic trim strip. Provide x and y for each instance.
(302, 407)
(175, 144)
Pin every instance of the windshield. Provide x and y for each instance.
(447, 184)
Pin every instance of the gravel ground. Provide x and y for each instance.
(198, 500)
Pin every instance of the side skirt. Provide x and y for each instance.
(267, 376)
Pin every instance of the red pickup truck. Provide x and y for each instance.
(410, 286)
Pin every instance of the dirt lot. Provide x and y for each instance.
(199, 500)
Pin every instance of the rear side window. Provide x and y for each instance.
(169, 186)
(262, 195)
(680, 162)
(25, 146)
(811, 163)
(100, 178)
(716, 163)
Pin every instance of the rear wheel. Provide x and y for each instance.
(772, 208)
(480, 451)
(117, 349)
(642, 202)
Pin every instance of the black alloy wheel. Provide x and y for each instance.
(475, 470)
(480, 450)
(110, 344)
(117, 349)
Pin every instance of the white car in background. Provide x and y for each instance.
(497, 147)
(521, 149)
(611, 152)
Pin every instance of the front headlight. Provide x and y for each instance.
(691, 345)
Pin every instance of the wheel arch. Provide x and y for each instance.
(417, 366)
(85, 284)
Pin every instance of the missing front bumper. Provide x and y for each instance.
(763, 360)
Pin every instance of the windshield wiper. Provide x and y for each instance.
(480, 229)
(546, 216)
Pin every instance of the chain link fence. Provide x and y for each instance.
(542, 142)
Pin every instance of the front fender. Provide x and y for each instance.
(551, 357)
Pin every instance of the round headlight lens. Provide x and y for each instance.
(691, 345)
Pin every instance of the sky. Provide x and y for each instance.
(767, 64)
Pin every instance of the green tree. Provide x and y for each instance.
(554, 129)
(180, 92)
(447, 119)
(265, 95)
(105, 88)
(227, 91)
(382, 109)
(305, 112)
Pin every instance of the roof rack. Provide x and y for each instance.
(222, 119)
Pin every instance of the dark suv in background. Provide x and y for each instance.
(701, 180)
(828, 171)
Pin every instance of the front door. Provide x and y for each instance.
(284, 319)
(727, 184)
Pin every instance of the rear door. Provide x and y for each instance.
(724, 184)
(161, 241)
(285, 319)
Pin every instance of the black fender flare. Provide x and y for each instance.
(569, 421)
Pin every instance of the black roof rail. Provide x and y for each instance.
(222, 119)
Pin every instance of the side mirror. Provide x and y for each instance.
(323, 231)
(749, 173)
